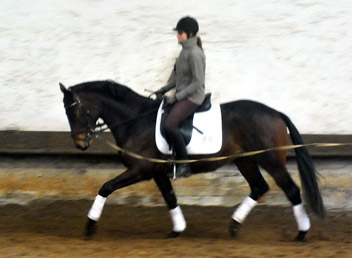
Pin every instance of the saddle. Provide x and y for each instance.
(187, 125)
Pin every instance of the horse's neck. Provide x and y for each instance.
(123, 118)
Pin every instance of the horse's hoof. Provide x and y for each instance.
(173, 234)
(91, 229)
(234, 227)
(301, 236)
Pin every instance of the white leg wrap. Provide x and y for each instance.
(243, 210)
(97, 208)
(302, 218)
(178, 220)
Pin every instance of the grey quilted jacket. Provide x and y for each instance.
(188, 75)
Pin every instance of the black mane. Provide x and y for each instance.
(110, 88)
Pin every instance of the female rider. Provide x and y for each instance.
(188, 78)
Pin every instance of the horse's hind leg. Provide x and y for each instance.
(178, 220)
(250, 170)
(284, 181)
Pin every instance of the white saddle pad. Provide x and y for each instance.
(208, 122)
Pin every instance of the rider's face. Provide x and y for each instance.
(181, 36)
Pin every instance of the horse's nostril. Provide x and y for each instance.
(82, 147)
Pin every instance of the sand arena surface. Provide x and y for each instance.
(54, 229)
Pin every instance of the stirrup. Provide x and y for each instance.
(174, 174)
(170, 170)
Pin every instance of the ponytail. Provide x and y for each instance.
(199, 43)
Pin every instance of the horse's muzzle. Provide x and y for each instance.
(82, 147)
(82, 143)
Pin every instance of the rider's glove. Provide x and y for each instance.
(171, 99)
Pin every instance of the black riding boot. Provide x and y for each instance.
(179, 146)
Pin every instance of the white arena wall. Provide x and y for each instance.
(295, 56)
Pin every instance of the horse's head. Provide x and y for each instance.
(82, 117)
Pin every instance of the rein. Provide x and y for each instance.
(100, 125)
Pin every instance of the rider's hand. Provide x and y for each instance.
(170, 99)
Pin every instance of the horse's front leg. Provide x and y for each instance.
(178, 220)
(129, 177)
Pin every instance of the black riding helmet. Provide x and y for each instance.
(188, 25)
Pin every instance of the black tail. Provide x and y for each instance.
(306, 171)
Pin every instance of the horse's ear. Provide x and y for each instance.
(62, 87)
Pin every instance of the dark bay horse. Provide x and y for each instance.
(247, 126)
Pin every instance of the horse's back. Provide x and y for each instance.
(247, 109)
(252, 120)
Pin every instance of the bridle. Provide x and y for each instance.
(86, 114)
(94, 130)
